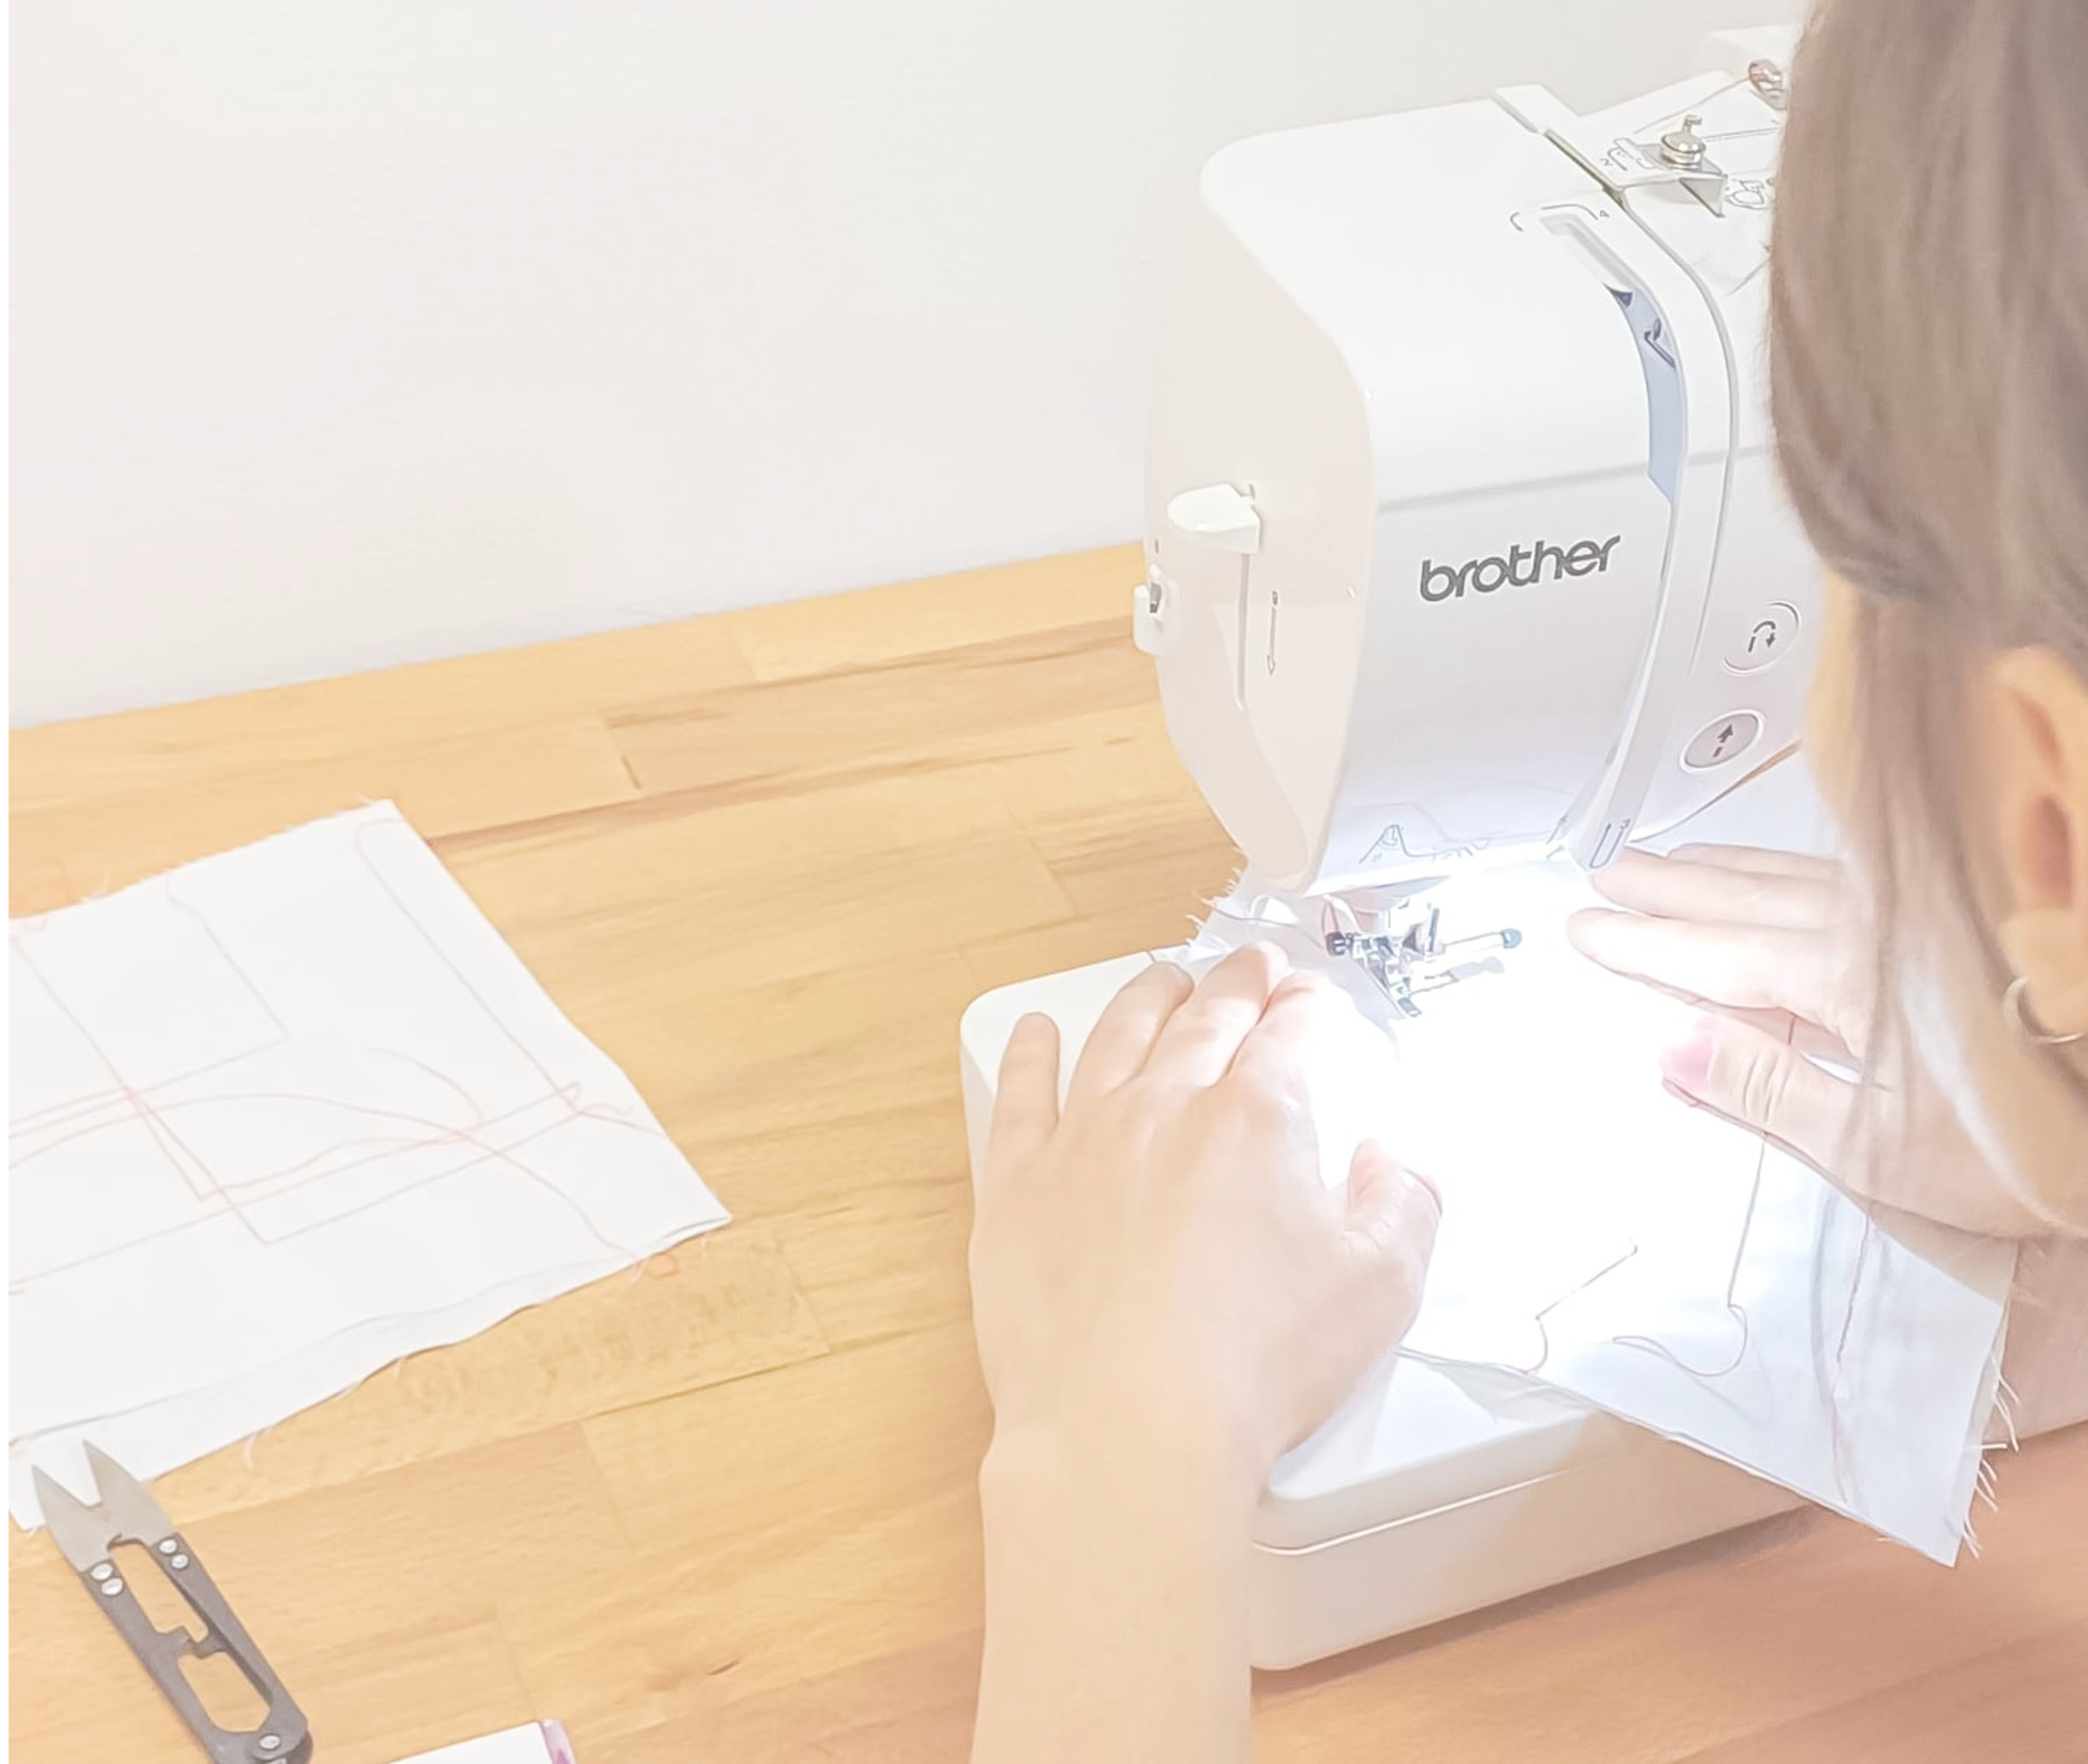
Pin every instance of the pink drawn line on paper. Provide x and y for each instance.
(203, 1184)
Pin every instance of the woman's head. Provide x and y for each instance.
(1929, 382)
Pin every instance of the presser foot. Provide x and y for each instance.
(1417, 961)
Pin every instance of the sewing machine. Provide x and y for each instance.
(1464, 547)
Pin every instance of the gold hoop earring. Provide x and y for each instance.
(2016, 1008)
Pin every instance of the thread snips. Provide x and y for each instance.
(127, 1513)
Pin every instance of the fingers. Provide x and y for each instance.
(1025, 1105)
(1933, 1172)
(1761, 861)
(1393, 1216)
(1735, 1070)
(1297, 1004)
(1122, 1037)
(1807, 1036)
(1312, 1043)
(1747, 967)
(1813, 1039)
(1196, 1044)
(1709, 891)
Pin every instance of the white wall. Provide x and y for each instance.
(353, 332)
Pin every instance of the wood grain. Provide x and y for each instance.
(724, 1509)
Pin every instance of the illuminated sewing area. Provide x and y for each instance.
(1465, 548)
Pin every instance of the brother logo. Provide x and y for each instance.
(1523, 566)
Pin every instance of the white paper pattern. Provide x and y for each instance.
(517, 1745)
(1650, 1258)
(278, 1118)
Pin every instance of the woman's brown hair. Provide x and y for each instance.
(1928, 372)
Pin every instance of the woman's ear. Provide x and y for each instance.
(2035, 759)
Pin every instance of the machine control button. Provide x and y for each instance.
(1219, 516)
(1684, 148)
(1771, 637)
(1722, 739)
(1150, 604)
(1607, 846)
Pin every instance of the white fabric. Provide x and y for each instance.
(278, 1118)
(1650, 1258)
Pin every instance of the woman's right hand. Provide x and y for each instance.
(1779, 949)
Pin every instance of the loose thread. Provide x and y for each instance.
(2005, 1400)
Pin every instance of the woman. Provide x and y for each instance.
(1167, 1299)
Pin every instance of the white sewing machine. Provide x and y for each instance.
(1465, 546)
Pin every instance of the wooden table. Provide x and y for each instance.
(725, 1510)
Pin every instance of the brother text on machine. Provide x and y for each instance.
(1523, 567)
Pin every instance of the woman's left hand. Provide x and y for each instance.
(1159, 1253)
(1775, 944)
(1167, 1294)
